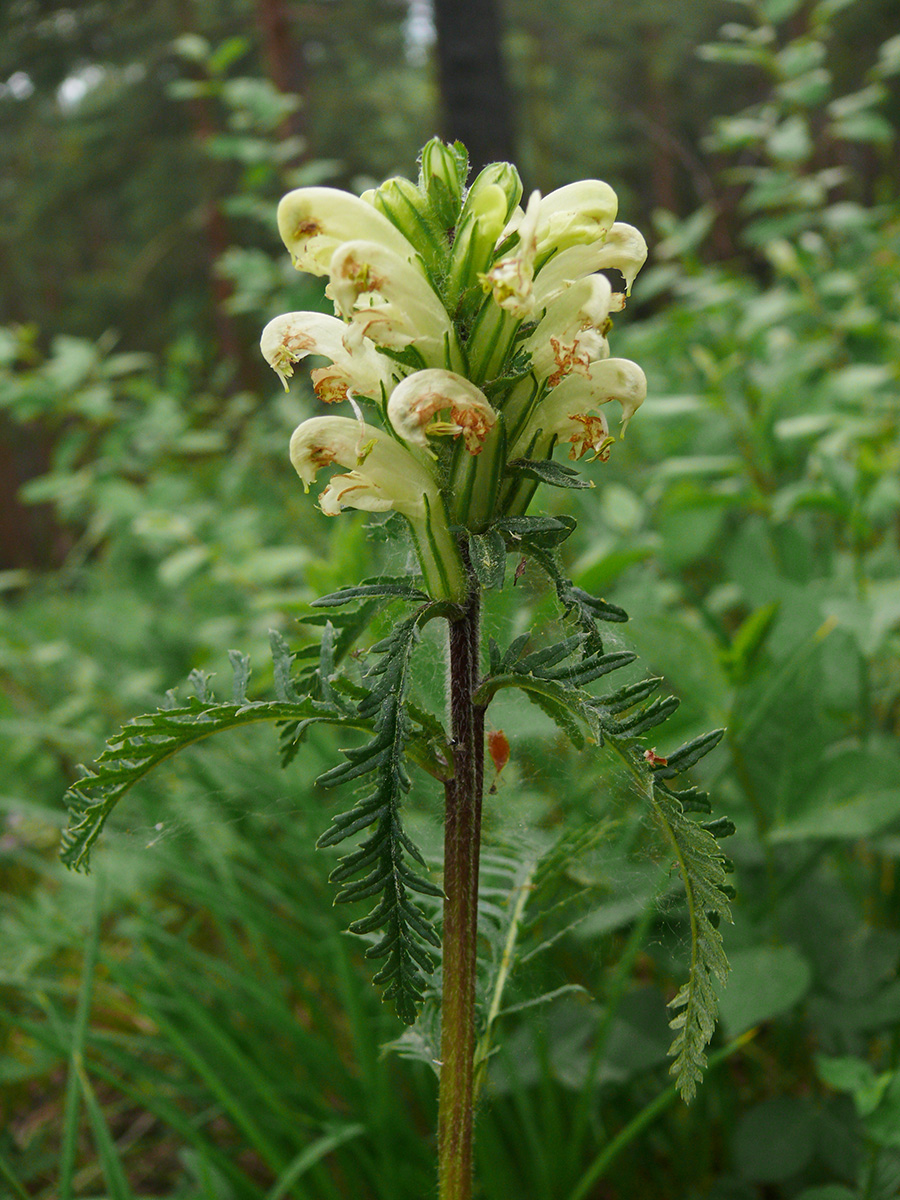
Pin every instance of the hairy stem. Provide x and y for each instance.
(462, 842)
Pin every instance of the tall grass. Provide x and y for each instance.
(195, 1022)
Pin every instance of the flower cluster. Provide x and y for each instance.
(474, 329)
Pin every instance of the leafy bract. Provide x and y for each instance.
(547, 471)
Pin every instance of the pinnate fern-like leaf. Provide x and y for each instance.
(395, 729)
(556, 677)
(553, 678)
(702, 867)
(585, 609)
(148, 740)
(379, 867)
(380, 587)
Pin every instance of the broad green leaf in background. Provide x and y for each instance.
(856, 1076)
(876, 1096)
(764, 983)
(857, 795)
(775, 1139)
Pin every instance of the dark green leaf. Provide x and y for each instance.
(702, 869)
(722, 827)
(379, 587)
(547, 471)
(646, 718)
(551, 695)
(585, 608)
(542, 532)
(378, 867)
(688, 754)
(487, 552)
(631, 694)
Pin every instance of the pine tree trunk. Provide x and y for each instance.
(475, 98)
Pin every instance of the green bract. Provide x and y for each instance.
(475, 329)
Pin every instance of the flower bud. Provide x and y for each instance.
(499, 174)
(443, 177)
(489, 202)
(411, 211)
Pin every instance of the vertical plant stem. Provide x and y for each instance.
(462, 841)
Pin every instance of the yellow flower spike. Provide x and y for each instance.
(431, 284)
(416, 404)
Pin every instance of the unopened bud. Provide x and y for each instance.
(502, 175)
(409, 210)
(483, 219)
(443, 178)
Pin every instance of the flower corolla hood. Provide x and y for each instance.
(315, 221)
(623, 250)
(416, 405)
(389, 301)
(356, 365)
(382, 474)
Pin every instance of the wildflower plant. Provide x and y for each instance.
(470, 340)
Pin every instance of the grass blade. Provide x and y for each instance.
(79, 1031)
(310, 1156)
(7, 1173)
(110, 1163)
(645, 1117)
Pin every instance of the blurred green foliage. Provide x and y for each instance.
(218, 1038)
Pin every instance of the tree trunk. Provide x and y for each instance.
(475, 99)
(283, 57)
